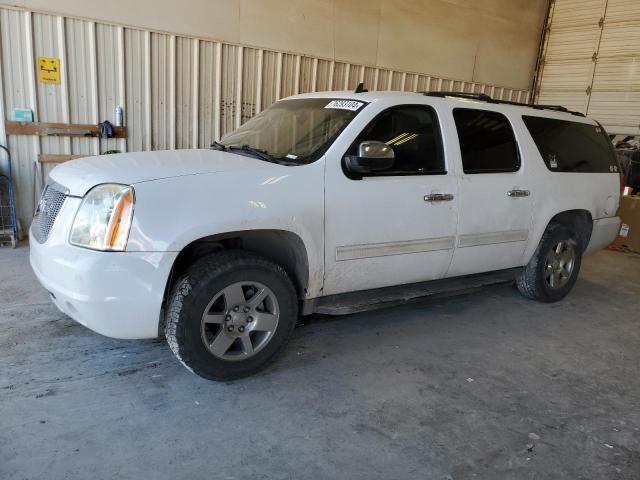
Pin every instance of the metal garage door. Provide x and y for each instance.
(591, 61)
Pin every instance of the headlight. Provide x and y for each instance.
(104, 218)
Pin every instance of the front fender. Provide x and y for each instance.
(171, 213)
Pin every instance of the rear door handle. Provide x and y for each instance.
(518, 193)
(438, 197)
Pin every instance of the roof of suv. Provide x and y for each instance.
(461, 99)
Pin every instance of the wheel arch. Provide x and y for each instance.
(579, 221)
(283, 247)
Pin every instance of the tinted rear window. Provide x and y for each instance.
(572, 146)
(487, 142)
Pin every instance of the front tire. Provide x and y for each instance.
(230, 315)
(553, 270)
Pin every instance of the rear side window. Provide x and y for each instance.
(487, 142)
(572, 146)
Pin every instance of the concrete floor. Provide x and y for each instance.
(486, 386)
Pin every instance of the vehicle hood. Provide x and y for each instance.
(80, 175)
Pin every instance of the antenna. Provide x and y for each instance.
(360, 88)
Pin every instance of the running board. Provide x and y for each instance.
(362, 301)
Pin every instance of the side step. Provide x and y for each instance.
(362, 301)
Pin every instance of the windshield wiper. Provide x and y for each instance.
(256, 152)
(219, 146)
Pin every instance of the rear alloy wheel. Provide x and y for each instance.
(558, 267)
(231, 314)
(553, 270)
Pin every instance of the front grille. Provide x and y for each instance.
(51, 202)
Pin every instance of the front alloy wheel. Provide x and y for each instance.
(230, 314)
(240, 320)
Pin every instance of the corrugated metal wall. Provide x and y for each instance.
(591, 61)
(177, 92)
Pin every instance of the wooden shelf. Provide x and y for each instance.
(48, 129)
(58, 158)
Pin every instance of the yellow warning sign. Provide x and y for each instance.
(48, 70)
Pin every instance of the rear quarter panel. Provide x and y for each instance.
(556, 192)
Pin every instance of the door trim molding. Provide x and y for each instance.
(492, 238)
(370, 250)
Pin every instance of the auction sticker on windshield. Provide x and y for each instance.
(345, 104)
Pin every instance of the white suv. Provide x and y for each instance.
(326, 202)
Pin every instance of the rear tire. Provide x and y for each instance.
(230, 315)
(553, 270)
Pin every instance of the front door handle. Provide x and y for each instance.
(518, 193)
(438, 197)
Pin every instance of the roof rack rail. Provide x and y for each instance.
(473, 96)
(483, 97)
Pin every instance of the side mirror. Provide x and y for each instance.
(372, 156)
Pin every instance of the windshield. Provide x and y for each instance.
(294, 131)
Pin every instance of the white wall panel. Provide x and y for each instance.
(162, 88)
(176, 91)
(81, 80)
(270, 78)
(383, 80)
(490, 41)
(339, 76)
(425, 84)
(287, 77)
(19, 92)
(208, 72)
(137, 110)
(51, 99)
(185, 92)
(229, 86)
(324, 73)
(250, 69)
(307, 74)
(397, 81)
(110, 70)
(367, 76)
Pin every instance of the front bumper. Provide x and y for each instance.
(117, 294)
